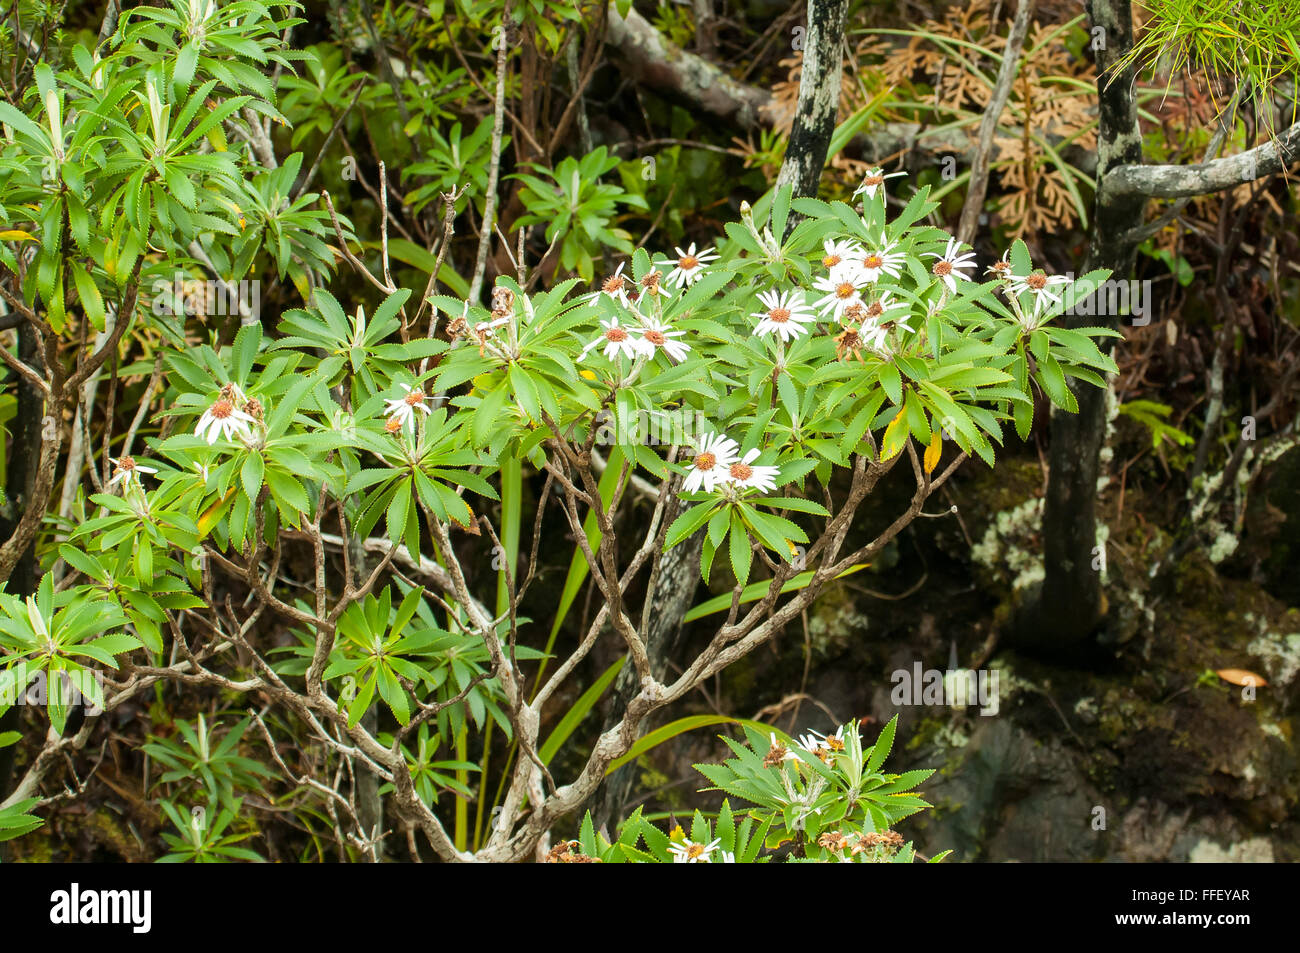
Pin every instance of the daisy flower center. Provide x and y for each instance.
(741, 471)
(830, 261)
(873, 180)
(125, 464)
(688, 262)
(850, 339)
(873, 261)
(1036, 282)
(616, 335)
(221, 409)
(779, 315)
(655, 337)
(613, 285)
(392, 425)
(942, 268)
(414, 397)
(844, 290)
(695, 850)
(705, 461)
(834, 744)
(874, 310)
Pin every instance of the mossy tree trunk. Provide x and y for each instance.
(1067, 608)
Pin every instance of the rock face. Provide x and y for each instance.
(1007, 796)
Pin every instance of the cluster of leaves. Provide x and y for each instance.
(14, 819)
(388, 651)
(1225, 39)
(204, 770)
(578, 209)
(125, 151)
(825, 800)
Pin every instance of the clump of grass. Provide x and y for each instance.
(1251, 44)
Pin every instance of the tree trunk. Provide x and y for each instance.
(673, 596)
(819, 99)
(1067, 608)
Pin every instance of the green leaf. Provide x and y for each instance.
(674, 728)
(757, 590)
(741, 553)
(880, 750)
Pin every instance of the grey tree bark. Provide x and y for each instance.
(819, 98)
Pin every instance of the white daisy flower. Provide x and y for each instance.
(838, 252)
(713, 457)
(880, 317)
(223, 419)
(616, 340)
(656, 336)
(1001, 268)
(402, 409)
(874, 181)
(126, 470)
(744, 473)
(876, 337)
(690, 266)
(843, 287)
(690, 852)
(810, 744)
(833, 742)
(787, 315)
(615, 286)
(950, 265)
(1041, 286)
(886, 261)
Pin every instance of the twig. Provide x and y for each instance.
(494, 169)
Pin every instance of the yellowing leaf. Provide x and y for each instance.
(1240, 676)
(896, 435)
(213, 513)
(933, 452)
(16, 235)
